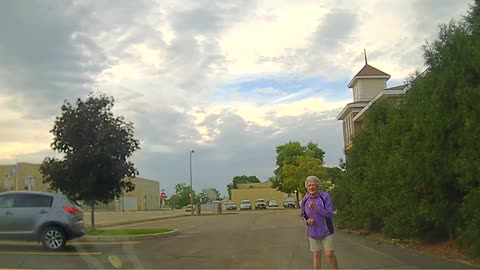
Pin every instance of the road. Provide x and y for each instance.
(249, 240)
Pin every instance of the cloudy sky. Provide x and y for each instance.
(229, 79)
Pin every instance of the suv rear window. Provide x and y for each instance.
(73, 202)
(32, 200)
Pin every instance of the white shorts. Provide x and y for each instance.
(321, 244)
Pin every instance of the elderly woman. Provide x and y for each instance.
(317, 211)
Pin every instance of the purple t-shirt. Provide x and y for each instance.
(318, 229)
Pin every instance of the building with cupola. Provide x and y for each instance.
(368, 86)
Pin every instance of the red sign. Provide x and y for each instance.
(163, 196)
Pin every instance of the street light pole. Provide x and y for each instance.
(191, 186)
(296, 198)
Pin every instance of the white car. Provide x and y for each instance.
(272, 203)
(260, 204)
(245, 205)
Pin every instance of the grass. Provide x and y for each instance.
(126, 232)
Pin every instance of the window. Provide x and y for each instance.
(6, 201)
(29, 182)
(32, 200)
(9, 183)
(73, 202)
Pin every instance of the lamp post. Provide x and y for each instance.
(191, 186)
(296, 198)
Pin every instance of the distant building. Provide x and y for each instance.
(368, 86)
(22, 176)
(27, 176)
(146, 196)
(254, 191)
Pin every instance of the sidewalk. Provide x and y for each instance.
(115, 218)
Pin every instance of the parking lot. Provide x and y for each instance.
(85, 254)
(267, 239)
(82, 255)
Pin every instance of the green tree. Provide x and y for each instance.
(202, 197)
(335, 174)
(174, 202)
(287, 157)
(413, 170)
(95, 146)
(182, 195)
(243, 179)
(294, 175)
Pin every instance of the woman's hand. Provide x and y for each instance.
(312, 206)
(310, 221)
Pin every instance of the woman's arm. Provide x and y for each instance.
(326, 211)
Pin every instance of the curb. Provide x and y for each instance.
(127, 237)
(126, 222)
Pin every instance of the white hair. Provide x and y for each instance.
(313, 179)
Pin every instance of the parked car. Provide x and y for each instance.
(231, 206)
(189, 208)
(272, 203)
(289, 203)
(245, 205)
(52, 219)
(260, 204)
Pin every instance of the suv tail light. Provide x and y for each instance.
(73, 210)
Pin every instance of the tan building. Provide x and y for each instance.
(27, 176)
(146, 196)
(254, 191)
(368, 86)
(23, 176)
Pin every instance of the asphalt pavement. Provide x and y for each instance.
(249, 240)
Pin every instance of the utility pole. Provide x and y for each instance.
(191, 184)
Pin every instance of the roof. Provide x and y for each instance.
(267, 184)
(398, 87)
(368, 72)
(31, 192)
(389, 92)
(357, 105)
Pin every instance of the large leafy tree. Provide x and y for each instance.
(242, 179)
(294, 175)
(290, 157)
(95, 145)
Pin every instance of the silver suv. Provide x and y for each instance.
(51, 219)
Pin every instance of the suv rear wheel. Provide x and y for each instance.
(53, 238)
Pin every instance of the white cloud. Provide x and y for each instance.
(166, 62)
(159, 148)
(294, 95)
(268, 91)
(262, 115)
(20, 136)
(268, 34)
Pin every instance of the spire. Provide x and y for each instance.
(365, 53)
